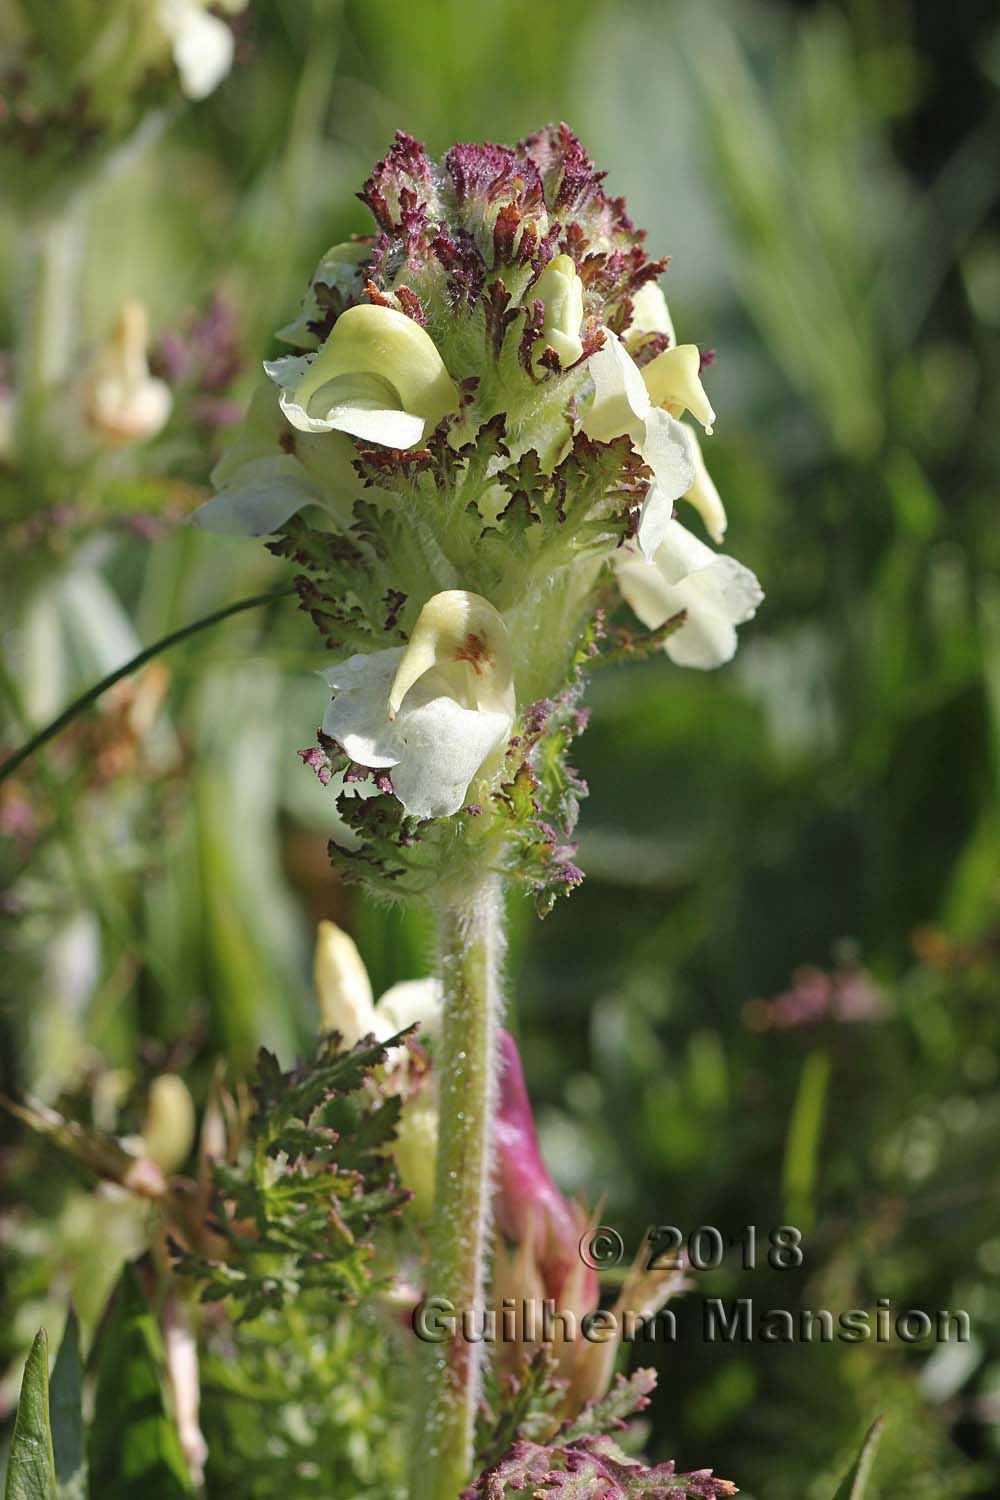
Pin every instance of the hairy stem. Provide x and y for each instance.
(471, 948)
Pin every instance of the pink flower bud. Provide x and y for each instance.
(526, 1202)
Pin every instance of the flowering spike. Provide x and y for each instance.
(478, 428)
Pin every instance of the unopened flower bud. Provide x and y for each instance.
(343, 989)
(379, 376)
(560, 289)
(650, 315)
(526, 1202)
(169, 1126)
(124, 402)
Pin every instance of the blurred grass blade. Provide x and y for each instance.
(135, 1453)
(855, 1481)
(789, 211)
(66, 1415)
(31, 1470)
(92, 694)
(927, 240)
(805, 1131)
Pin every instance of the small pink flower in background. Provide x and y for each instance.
(846, 994)
(202, 357)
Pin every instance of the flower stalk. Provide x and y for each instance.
(471, 944)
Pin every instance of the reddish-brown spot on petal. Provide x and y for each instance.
(475, 650)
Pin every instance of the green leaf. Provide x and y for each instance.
(314, 1180)
(625, 1398)
(805, 1135)
(31, 1471)
(855, 1481)
(66, 1415)
(588, 1467)
(517, 1406)
(135, 1452)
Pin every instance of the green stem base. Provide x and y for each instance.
(471, 949)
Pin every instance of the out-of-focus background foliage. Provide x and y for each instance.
(775, 999)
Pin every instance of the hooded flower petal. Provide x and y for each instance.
(434, 712)
(716, 591)
(560, 290)
(622, 405)
(461, 639)
(344, 993)
(673, 381)
(202, 45)
(125, 403)
(379, 376)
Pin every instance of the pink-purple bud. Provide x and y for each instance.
(526, 1202)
